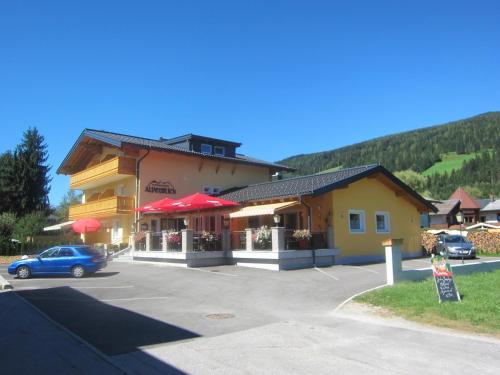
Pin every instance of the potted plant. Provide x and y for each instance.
(207, 239)
(302, 236)
(174, 240)
(263, 237)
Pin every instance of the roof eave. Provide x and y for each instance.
(86, 133)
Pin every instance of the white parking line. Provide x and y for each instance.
(104, 287)
(132, 299)
(364, 268)
(212, 272)
(326, 273)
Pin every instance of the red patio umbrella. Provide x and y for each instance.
(86, 225)
(153, 206)
(197, 201)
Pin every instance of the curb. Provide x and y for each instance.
(4, 284)
(339, 307)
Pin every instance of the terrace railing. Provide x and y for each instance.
(262, 238)
(207, 241)
(318, 240)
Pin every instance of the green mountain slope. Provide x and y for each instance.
(449, 162)
(460, 153)
(418, 149)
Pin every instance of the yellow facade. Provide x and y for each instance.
(189, 175)
(110, 188)
(370, 195)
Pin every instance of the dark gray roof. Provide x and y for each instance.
(446, 206)
(190, 136)
(491, 205)
(313, 185)
(117, 139)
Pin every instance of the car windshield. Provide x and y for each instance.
(87, 250)
(455, 239)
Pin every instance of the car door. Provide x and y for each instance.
(64, 260)
(47, 261)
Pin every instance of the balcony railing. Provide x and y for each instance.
(103, 207)
(108, 170)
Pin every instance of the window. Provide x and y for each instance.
(197, 225)
(356, 221)
(482, 219)
(206, 149)
(498, 217)
(219, 150)
(253, 222)
(50, 253)
(66, 252)
(382, 222)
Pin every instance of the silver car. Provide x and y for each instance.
(455, 246)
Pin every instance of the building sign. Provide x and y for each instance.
(160, 187)
(443, 278)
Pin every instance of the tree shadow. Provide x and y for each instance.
(110, 329)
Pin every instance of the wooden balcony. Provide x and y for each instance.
(102, 207)
(106, 172)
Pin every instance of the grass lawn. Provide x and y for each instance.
(479, 310)
(449, 162)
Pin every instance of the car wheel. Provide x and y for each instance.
(23, 272)
(77, 271)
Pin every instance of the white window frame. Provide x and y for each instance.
(208, 147)
(387, 217)
(362, 221)
(222, 148)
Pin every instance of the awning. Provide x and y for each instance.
(263, 209)
(59, 226)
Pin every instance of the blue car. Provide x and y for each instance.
(72, 260)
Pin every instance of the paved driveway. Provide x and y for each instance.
(237, 320)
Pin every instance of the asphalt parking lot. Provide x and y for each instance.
(127, 310)
(171, 304)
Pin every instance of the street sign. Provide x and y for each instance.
(443, 277)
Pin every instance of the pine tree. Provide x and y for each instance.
(8, 191)
(32, 180)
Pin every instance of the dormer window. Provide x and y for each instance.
(206, 149)
(219, 151)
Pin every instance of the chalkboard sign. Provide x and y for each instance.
(443, 277)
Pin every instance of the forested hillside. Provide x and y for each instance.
(418, 150)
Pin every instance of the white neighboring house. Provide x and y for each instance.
(490, 213)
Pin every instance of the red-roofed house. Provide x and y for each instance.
(468, 206)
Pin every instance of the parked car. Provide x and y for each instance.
(73, 260)
(455, 246)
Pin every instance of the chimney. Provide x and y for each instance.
(277, 176)
(163, 139)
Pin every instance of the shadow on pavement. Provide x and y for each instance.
(110, 329)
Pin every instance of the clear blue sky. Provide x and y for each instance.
(282, 77)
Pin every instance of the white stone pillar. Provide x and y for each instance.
(164, 240)
(393, 266)
(278, 238)
(249, 239)
(131, 241)
(149, 240)
(226, 240)
(187, 240)
(330, 239)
